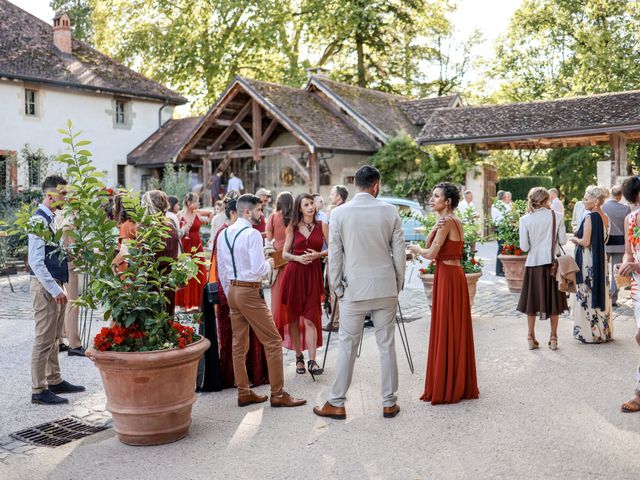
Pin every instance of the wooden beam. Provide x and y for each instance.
(215, 146)
(618, 154)
(269, 130)
(264, 152)
(314, 171)
(225, 164)
(244, 134)
(222, 122)
(298, 166)
(256, 130)
(206, 182)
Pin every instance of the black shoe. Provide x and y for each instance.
(63, 347)
(47, 398)
(76, 352)
(66, 387)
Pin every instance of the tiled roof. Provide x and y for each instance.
(379, 109)
(311, 118)
(553, 118)
(421, 109)
(27, 52)
(165, 143)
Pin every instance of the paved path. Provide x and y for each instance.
(541, 414)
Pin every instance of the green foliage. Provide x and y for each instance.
(520, 186)
(36, 163)
(14, 245)
(507, 228)
(409, 171)
(137, 296)
(174, 181)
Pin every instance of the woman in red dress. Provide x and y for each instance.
(451, 365)
(190, 296)
(302, 288)
(256, 359)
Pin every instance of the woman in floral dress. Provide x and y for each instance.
(591, 309)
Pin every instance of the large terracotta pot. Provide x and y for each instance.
(472, 284)
(150, 394)
(513, 271)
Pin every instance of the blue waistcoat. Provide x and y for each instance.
(54, 259)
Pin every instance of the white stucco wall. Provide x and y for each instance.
(89, 112)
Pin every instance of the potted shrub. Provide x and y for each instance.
(507, 231)
(148, 362)
(471, 265)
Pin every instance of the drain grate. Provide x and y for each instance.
(56, 433)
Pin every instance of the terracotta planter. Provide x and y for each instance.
(150, 394)
(513, 271)
(472, 284)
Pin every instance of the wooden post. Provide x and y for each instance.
(256, 119)
(314, 173)
(618, 144)
(206, 182)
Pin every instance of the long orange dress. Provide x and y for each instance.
(451, 365)
(190, 296)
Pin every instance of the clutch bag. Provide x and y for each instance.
(278, 260)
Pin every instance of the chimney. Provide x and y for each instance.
(62, 32)
(317, 71)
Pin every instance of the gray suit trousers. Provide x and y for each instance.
(383, 313)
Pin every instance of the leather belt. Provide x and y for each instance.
(240, 283)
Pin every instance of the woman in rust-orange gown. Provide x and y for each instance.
(451, 365)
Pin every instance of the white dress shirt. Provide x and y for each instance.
(247, 251)
(36, 256)
(556, 204)
(235, 183)
(496, 214)
(536, 236)
(463, 206)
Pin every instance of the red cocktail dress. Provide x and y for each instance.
(190, 296)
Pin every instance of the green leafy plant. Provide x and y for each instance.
(134, 299)
(174, 181)
(507, 228)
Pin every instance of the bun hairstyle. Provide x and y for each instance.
(155, 201)
(450, 192)
(190, 197)
(538, 197)
(597, 193)
(229, 205)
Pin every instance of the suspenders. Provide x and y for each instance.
(231, 247)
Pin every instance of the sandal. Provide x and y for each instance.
(533, 343)
(631, 406)
(314, 369)
(300, 364)
(553, 343)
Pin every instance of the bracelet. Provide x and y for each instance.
(436, 243)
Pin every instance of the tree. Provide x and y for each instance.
(80, 13)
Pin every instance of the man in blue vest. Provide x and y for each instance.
(48, 268)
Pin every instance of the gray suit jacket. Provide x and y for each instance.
(367, 257)
(616, 212)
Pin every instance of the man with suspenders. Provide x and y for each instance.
(241, 267)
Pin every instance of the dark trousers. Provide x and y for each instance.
(499, 268)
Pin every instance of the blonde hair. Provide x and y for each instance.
(538, 197)
(155, 201)
(597, 193)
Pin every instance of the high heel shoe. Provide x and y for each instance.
(553, 343)
(314, 369)
(300, 364)
(533, 343)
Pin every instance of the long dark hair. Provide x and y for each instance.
(284, 204)
(297, 216)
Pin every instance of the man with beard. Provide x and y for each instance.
(241, 267)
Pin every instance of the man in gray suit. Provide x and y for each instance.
(367, 262)
(616, 212)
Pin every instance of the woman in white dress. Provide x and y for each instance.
(591, 306)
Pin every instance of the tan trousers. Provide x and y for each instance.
(49, 318)
(248, 309)
(72, 312)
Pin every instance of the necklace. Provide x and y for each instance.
(308, 225)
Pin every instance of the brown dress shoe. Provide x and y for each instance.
(390, 412)
(286, 400)
(251, 397)
(328, 410)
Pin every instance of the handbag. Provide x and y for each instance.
(278, 259)
(554, 257)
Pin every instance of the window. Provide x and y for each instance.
(120, 115)
(30, 103)
(122, 176)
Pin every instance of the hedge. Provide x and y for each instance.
(520, 186)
